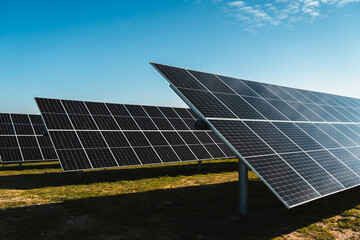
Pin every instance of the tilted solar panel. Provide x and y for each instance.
(92, 135)
(303, 144)
(22, 139)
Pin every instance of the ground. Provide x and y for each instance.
(39, 201)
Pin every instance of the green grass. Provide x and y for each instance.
(316, 232)
(350, 220)
(38, 201)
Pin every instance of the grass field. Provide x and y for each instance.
(38, 201)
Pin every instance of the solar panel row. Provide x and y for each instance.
(22, 139)
(303, 144)
(91, 135)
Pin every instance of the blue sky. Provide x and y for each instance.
(100, 50)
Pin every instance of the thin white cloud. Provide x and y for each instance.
(344, 2)
(237, 3)
(280, 12)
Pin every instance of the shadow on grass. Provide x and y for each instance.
(32, 181)
(203, 212)
(29, 166)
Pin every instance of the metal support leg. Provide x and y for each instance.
(199, 166)
(243, 188)
(20, 164)
(80, 175)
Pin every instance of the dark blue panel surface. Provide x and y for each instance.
(336, 168)
(313, 173)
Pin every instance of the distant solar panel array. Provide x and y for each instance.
(93, 135)
(22, 139)
(303, 144)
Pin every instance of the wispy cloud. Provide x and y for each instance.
(280, 12)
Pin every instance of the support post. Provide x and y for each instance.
(243, 188)
(199, 166)
(20, 164)
(80, 175)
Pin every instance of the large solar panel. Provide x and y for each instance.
(22, 139)
(303, 144)
(93, 135)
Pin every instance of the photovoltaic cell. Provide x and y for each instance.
(273, 137)
(127, 123)
(334, 166)
(182, 78)
(208, 104)
(354, 102)
(313, 173)
(200, 151)
(336, 113)
(178, 124)
(303, 140)
(348, 113)
(355, 151)
(337, 100)
(167, 154)
(348, 132)
(287, 110)
(190, 123)
(325, 98)
(336, 134)
(278, 91)
(124, 157)
(321, 112)
(261, 90)
(316, 133)
(305, 111)
(296, 94)
(233, 101)
(348, 158)
(97, 109)
(238, 86)
(265, 108)
(284, 180)
(247, 143)
(354, 127)
(353, 111)
(211, 82)
(184, 153)
(311, 96)
(216, 151)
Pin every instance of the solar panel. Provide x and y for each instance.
(93, 135)
(304, 145)
(22, 139)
